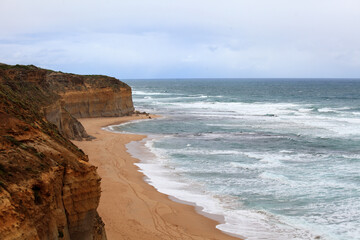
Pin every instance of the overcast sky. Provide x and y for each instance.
(184, 38)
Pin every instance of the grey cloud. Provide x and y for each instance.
(159, 38)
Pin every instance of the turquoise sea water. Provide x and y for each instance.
(278, 158)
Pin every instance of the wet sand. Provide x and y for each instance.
(129, 207)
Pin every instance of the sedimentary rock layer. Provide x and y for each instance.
(70, 96)
(48, 190)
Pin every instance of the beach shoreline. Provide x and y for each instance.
(129, 206)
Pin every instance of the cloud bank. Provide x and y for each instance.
(174, 39)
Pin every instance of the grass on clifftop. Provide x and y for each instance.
(17, 67)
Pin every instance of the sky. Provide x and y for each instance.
(185, 38)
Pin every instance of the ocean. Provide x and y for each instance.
(277, 158)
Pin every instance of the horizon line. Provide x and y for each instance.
(246, 78)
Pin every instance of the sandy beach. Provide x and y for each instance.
(131, 208)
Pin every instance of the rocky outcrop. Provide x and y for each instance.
(48, 190)
(71, 96)
(69, 126)
(92, 95)
(98, 103)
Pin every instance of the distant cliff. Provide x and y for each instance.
(48, 190)
(92, 95)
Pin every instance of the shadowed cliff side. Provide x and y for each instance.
(48, 190)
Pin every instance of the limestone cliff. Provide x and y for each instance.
(68, 125)
(71, 96)
(48, 190)
(92, 95)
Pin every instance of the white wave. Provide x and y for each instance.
(165, 99)
(297, 118)
(137, 92)
(326, 110)
(267, 160)
(305, 110)
(251, 224)
(286, 151)
(260, 225)
(204, 152)
(244, 165)
(275, 160)
(351, 156)
(333, 109)
(273, 176)
(116, 128)
(342, 127)
(312, 125)
(242, 108)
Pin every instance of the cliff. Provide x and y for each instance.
(71, 96)
(48, 190)
(92, 95)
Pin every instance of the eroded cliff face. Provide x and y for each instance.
(103, 102)
(71, 96)
(92, 95)
(68, 125)
(48, 190)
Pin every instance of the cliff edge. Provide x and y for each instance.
(48, 190)
(70, 96)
